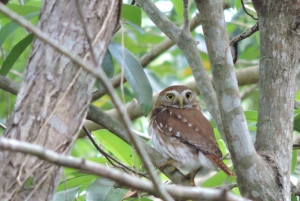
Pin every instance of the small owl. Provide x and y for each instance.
(182, 134)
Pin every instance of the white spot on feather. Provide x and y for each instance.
(189, 124)
(177, 134)
(184, 120)
(170, 129)
(197, 129)
(170, 112)
(161, 125)
(179, 116)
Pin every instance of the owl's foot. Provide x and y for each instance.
(168, 163)
(191, 176)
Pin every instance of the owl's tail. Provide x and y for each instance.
(219, 163)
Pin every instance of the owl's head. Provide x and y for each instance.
(177, 96)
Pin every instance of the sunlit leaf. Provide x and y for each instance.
(15, 53)
(102, 190)
(297, 98)
(66, 195)
(294, 160)
(218, 179)
(134, 74)
(297, 123)
(231, 3)
(115, 145)
(76, 181)
(251, 116)
(21, 9)
(178, 6)
(132, 14)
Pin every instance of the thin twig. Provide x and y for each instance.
(234, 41)
(186, 24)
(123, 113)
(3, 126)
(245, 9)
(111, 159)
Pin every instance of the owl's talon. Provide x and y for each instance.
(166, 164)
(173, 171)
(191, 179)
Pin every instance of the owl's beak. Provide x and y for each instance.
(180, 101)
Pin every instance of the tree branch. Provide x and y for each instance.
(234, 122)
(116, 175)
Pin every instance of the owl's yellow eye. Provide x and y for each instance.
(188, 95)
(170, 96)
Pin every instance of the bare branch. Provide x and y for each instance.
(120, 177)
(233, 118)
(244, 35)
(186, 25)
(244, 8)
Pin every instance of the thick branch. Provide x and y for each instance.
(243, 154)
(120, 177)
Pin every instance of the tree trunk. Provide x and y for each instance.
(279, 28)
(54, 96)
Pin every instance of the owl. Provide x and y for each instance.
(182, 134)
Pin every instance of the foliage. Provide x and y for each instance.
(138, 35)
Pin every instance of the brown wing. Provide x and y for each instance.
(191, 127)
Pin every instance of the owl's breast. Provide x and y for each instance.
(170, 147)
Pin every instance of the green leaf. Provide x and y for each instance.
(66, 195)
(135, 76)
(231, 3)
(102, 190)
(238, 4)
(178, 7)
(108, 65)
(218, 179)
(15, 53)
(136, 27)
(294, 160)
(21, 10)
(294, 198)
(10, 27)
(132, 14)
(297, 123)
(251, 116)
(115, 145)
(297, 98)
(77, 181)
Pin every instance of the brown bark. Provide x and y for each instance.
(54, 96)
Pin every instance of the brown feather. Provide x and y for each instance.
(194, 129)
(220, 164)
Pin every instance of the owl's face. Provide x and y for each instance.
(178, 97)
